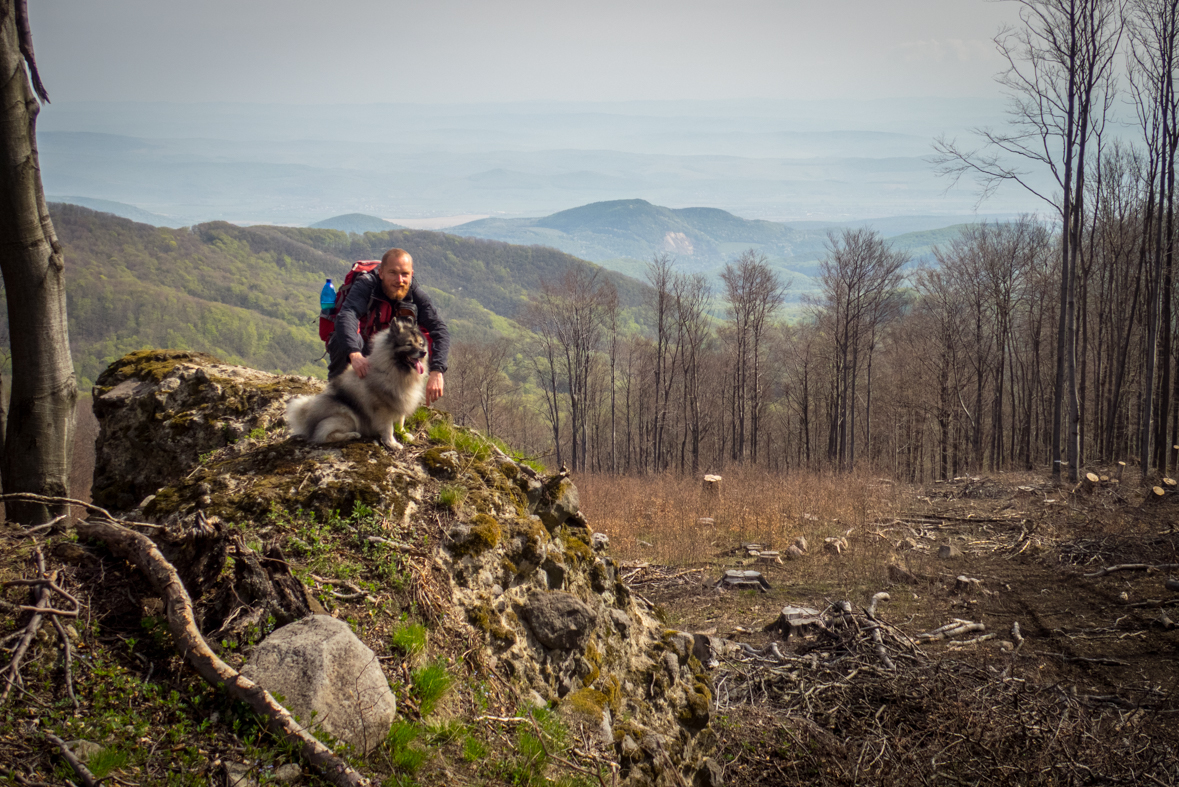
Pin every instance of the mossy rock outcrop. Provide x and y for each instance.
(543, 603)
(163, 410)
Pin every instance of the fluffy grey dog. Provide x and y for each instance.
(351, 408)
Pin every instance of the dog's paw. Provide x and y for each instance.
(392, 445)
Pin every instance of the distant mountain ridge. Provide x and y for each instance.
(121, 209)
(700, 238)
(359, 223)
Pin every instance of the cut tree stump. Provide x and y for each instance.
(1088, 483)
(711, 491)
(1156, 494)
(743, 580)
(798, 621)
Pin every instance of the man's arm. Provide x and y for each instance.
(430, 321)
(346, 336)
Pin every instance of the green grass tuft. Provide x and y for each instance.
(403, 755)
(441, 432)
(102, 763)
(430, 684)
(410, 638)
(450, 496)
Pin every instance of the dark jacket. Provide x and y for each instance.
(364, 296)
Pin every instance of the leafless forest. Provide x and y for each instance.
(1045, 342)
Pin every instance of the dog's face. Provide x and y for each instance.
(409, 346)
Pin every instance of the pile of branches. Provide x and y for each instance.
(842, 715)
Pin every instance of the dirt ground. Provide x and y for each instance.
(1088, 696)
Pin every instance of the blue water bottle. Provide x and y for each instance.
(327, 298)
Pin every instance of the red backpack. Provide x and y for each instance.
(371, 322)
(327, 319)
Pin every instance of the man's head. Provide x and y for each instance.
(396, 273)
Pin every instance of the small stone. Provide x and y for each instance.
(1124, 596)
(630, 749)
(237, 774)
(949, 552)
(711, 775)
(601, 542)
(84, 750)
(801, 543)
(288, 774)
(794, 553)
(705, 521)
(901, 574)
(621, 621)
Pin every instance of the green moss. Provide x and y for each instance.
(441, 461)
(484, 618)
(153, 365)
(695, 713)
(588, 702)
(485, 533)
(527, 540)
(576, 549)
(599, 577)
(166, 501)
(594, 657)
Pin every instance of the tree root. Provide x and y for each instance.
(142, 552)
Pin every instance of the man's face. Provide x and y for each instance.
(396, 274)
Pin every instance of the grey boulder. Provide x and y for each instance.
(559, 620)
(328, 678)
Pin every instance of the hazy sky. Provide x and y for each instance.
(350, 51)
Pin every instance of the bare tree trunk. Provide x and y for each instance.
(40, 427)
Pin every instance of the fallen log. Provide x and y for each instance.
(142, 552)
(952, 630)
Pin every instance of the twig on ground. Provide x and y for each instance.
(83, 772)
(1132, 567)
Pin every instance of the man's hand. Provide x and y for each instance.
(434, 387)
(360, 364)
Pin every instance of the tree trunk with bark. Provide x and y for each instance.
(40, 421)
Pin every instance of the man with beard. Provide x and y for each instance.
(375, 299)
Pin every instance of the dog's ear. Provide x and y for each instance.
(404, 322)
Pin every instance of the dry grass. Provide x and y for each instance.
(665, 511)
(658, 519)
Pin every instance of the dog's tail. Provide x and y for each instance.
(297, 420)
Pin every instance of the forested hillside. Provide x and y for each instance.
(249, 295)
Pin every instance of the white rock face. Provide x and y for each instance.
(328, 678)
